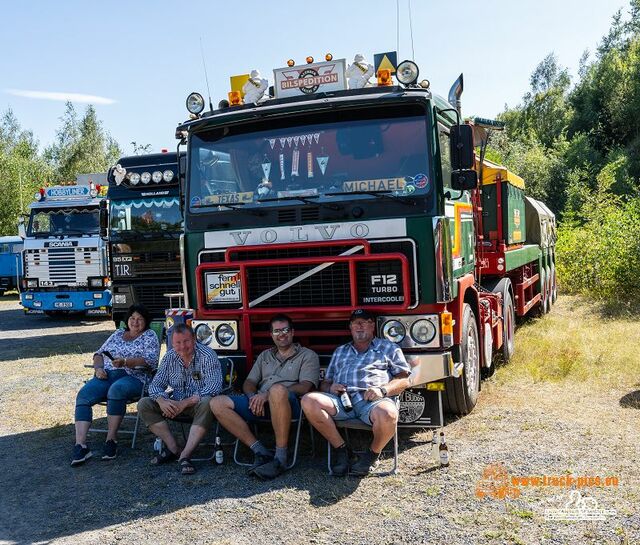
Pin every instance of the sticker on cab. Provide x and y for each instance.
(383, 184)
(228, 198)
(223, 287)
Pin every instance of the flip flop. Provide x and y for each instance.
(163, 457)
(186, 467)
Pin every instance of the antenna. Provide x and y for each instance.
(206, 77)
(413, 53)
(398, 28)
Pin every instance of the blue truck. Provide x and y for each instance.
(64, 259)
(10, 263)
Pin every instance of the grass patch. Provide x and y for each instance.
(577, 341)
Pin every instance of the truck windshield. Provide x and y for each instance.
(64, 222)
(146, 215)
(324, 157)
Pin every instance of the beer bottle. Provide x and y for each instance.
(444, 451)
(219, 454)
(435, 447)
(345, 399)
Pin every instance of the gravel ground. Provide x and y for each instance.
(522, 429)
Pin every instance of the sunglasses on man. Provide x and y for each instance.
(284, 330)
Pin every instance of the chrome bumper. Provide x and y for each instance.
(430, 367)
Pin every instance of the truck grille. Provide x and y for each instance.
(62, 266)
(284, 285)
(152, 296)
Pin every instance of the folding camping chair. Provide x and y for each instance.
(357, 424)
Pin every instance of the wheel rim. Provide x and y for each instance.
(472, 367)
(509, 329)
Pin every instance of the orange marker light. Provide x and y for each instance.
(446, 328)
(291, 62)
(384, 77)
(309, 59)
(328, 57)
(235, 98)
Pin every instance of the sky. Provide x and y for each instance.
(136, 61)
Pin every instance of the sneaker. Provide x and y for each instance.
(110, 450)
(340, 462)
(259, 460)
(366, 463)
(80, 455)
(270, 470)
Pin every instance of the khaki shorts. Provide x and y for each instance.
(201, 413)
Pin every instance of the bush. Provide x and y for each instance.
(601, 257)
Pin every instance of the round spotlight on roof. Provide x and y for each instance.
(167, 175)
(156, 176)
(407, 72)
(328, 57)
(195, 103)
(425, 84)
(145, 177)
(309, 59)
(291, 62)
(134, 179)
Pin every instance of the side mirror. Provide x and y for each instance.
(104, 219)
(461, 147)
(22, 231)
(464, 179)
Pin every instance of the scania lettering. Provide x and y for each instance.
(143, 223)
(64, 259)
(317, 202)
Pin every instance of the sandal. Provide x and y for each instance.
(163, 457)
(186, 467)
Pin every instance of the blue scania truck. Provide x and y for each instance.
(64, 259)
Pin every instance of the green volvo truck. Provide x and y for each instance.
(320, 199)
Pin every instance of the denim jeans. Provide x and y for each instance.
(116, 389)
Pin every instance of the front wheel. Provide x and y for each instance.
(461, 394)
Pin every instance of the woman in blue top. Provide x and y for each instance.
(118, 378)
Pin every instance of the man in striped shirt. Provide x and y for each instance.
(373, 372)
(194, 374)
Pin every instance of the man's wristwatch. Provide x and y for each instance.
(383, 391)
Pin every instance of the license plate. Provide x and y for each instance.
(62, 304)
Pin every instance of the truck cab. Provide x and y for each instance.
(143, 223)
(10, 263)
(64, 259)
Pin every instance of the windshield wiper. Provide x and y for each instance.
(306, 199)
(68, 232)
(234, 206)
(387, 194)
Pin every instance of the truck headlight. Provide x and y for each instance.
(204, 334)
(167, 175)
(96, 282)
(394, 331)
(156, 176)
(423, 331)
(225, 335)
(134, 179)
(195, 103)
(145, 177)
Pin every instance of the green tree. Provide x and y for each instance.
(81, 146)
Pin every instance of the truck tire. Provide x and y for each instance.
(461, 394)
(554, 284)
(547, 290)
(542, 306)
